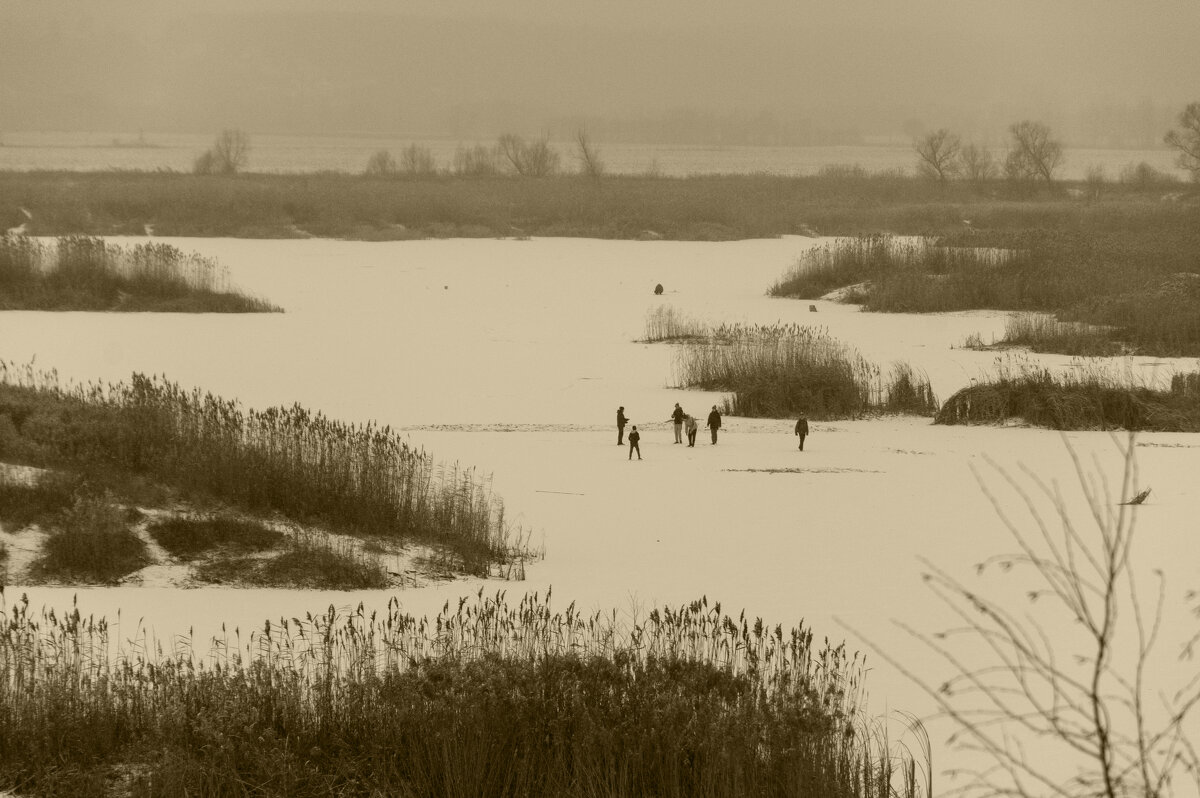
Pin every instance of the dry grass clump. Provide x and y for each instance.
(778, 370)
(308, 561)
(904, 275)
(85, 273)
(486, 699)
(358, 478)
(91, 543)
(41, 501)
(665, 323)
(1091, 398)
(1043, 333)
(192, 537)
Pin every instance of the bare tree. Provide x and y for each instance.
(977, 163)
(1034, 152)
(1187, 140)
(938, 154)
(528, 158)
(380, 164)
(227, 156)
(477, 161)
(417, 161)
(1070, 680)
(590, 164)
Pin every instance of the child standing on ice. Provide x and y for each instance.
(634, 437)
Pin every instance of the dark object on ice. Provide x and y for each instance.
(812, 308)
(802, 430)
(1138, 499)
(658, 289)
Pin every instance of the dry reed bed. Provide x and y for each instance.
(779, 370)
(485, 699)
(1091, 397)
(84, 273)
(703, 207)
(358, 478)
(1040, 332)
(1142, 284)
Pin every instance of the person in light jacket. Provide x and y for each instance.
(689, 426)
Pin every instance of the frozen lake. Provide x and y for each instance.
(514, 355)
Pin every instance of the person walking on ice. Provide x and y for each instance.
(714, 423)
(802, 430)
(634, 437)
(677, 416)
(621, 421)
(689, 426)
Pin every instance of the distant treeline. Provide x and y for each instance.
(839, 201)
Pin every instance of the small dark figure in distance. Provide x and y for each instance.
(714, 423)
(634, 437)
(802, 430)
(677, 416)
(689, 424)
(621, 421)
(658, 289)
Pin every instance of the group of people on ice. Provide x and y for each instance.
(686, 424)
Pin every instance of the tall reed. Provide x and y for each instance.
(485, 699)
(357, 477)
(782, 369)
(1141, 284)
(86, 273)
(1092, 396)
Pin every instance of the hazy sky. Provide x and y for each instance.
(396, 67)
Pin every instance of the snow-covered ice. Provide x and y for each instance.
(513, 356)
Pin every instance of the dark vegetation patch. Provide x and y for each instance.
(192, 537)
(703, 207)
(305, 563)
(779, 370)
(359, 479)
(483, 700)
(81, 273)
(1142, 286)
(92, 543)
(41, 501)
(1089, 401)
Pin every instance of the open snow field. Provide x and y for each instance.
(513, 356)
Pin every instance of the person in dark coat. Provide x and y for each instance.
(621, 421)
(802, 430)
(634, 437)
(658, 289)
(677, 416)
(714, 423)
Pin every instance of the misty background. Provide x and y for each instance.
(1110, 74)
